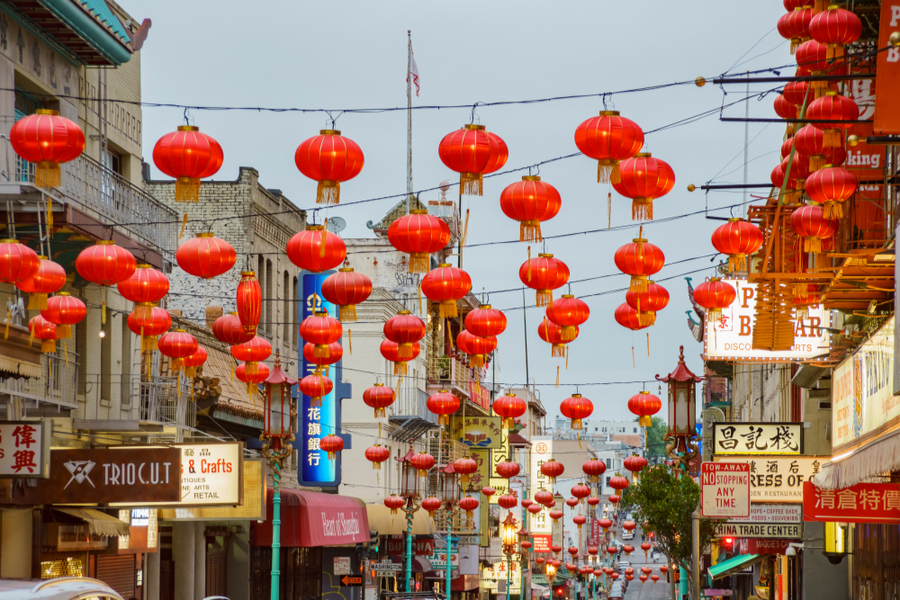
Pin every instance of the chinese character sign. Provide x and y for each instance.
(862, 503)
(778, 479)
(541, 451)
(24, 449)
(758, 438)
(482, 433)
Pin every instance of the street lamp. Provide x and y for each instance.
(682, 410)
(450, 497)
(409, 491)
(277, 437)
(508, 538)
(835, 542)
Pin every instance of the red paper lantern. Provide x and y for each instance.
(530, 202)
(543, 497)
(509, 408)
(335, 353)
(149, 323)
(316, 249)
(346, 289)
(796, 93)
(322, 331)
(812, 56)
(252, 352)
(544, 274)
(473, 152)
(49, 278)
(42, 329)
(476, 347)
(394, 502)
(329, 158)
(488, 491)
(507, 469)
(794, 26)
(446, 284)
(609, 139)
(576, 408)
(485, 321)
(377, 454)
(606, 524)
(47, 140)
(614, 499)
(831, 186)
(432, 505)
(655, 577)
(648, 303)
(18, 262)
(104, 263)
(644, 405)
(206, 256)
(188, 156)
(785, 110)
(796, 174)
(593, 501)
(663, 569)
(640, 259)
(391, 351)
(552, 469)
(423, 462)
(552, 334)
(572, 502)
(468, 504)
(792, 5)
(404, 329)
(737, 238)
(419, 235)
(331, 444)
(629, 525)
(249, 302)
(594, 468)
(556, 514)
(535, 509)
(379, 397)
(316, 387)
(580, 491)
(810, 223)
(177, 345)
(714, 295)
(443, 404)
(64, 310)
(526, 502)
(569, 313)
(197, 359)
(644, 179)
(612, 550)
(465, 466)
(228, 330)
(833, 107)
(810, 141)
(507, 501)
(146, 287)
(635, 464)
(618, 483)
(835, 27)
(628, 317)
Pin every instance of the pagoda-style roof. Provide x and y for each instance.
(278, 377)
(681, 372)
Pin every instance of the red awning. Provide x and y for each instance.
(311, 519)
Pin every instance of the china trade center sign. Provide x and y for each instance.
(316, 422)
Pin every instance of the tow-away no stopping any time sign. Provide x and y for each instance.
(725, 490)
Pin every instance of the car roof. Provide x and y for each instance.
(61, 588)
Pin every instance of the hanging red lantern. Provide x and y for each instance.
(443, 404)
(629, 525)
(556, 514)
(49, 279)
(737, 239)
(840, 110)
(552, 469)
(146, 285)
(535, 508)
(785, 110)
(628, 317)
(18, 262)
(432, 505)
(331, 444)
(594, 468)
(322, 331)
(423, 462)
(646, 546)
(149, 323)
(643, 179)
(206, 256)
(468, 504)
(580, 491)
(803, 300)
(618, 483)
(543, 497)
(252, 352)
(377, 454)
(635, 464)
(316, 386)
(507, 501)
(64, 310)
(379, 397)
(794, 26)
(640, 259)
(507, 469)
(644, 405)
(249, 302)
(228, 330)
(810, 141)
(335, 353)
(446, 284)
(605, 524)
(714, 295)
(593, 501)
(544, 274)
(831, 186)
(419, 235)
(835, 27)
(394, 502)
(530, 202)
(655, 577)
(46, 139)
(473, 152)
(346, 289)
(648, 303)
(391, 351)
(552, 334)
(797, 172)
(476, 347)
(42, 329)
(488, 491)
(609, 139)
(315, 249)
(509, 408)
(485, 321)
(569, 313)
(810, 223)
(526, 502)
(572, 502)
(329, 158)
(104, 263)
(576, 408)
(404, 329)
(177, 345)
(188, 156)
(465, 466)
(812, 56)
(195, 360)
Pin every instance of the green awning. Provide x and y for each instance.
(732, 565)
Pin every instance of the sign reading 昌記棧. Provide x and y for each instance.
(541, 451)
(479, 433)
(861, 503)
(24, 449)
(758, 438)
(731, 336)
(725, 490)
(862, 389)
(778, 479)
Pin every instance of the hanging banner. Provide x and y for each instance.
(862, 503)
(500, 484)
(482, 476)
(478, 433)
(887, 106)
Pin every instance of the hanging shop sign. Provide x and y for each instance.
(422, 546)
(725, 490)
(778, 479)
(493, 575)
(501, 484)
(862, 503)
(862, 394)
(481, 433)
(24, 449)
(211, 474)
(887, 106)
(790, 531)
(482, 476)
(768, 546)
(758, 438)
(541, 451)
(730, 337)
(252, 507)
(542, 542)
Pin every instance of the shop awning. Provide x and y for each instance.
(382, 521)
(311, 519)
(733, 565)
(875, 458)
(98, 523)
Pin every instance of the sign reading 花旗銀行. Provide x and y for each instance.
(862, 390)
(731, 336)
(541, 451)
(758, 438)
(479, 433)
(861, 503)
(725, 490)
(24, 449)
(778, 479)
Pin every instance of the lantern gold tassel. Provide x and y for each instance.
(736, 263)
(795, 43)
(642, 209)
(350, 341)
(529, 264)
(328, 192)
(818, 6)
(633, 364)
(557, 375)
(465, 235)
(832, 138)
(816, 162)
(66, 353)
(530, 231)
(646, 421)
(31, 337)
(187, 189)
(6, 330)
(648, 343)
(608, 171)
(609, 210)
(543, 298)
(324, 236)
(47, 174)
(49, 214)
(419, 262)
(48, 347)
(448, 308)
(419, 290)
(184, 221)
(232, 370)
(37, 301)
(347, 313)
(321, 351)
(578, 437)
(470, 184)
(812, 245)
(833, 210)
(399, 368)
(567, 358)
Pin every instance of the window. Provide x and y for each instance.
(295, 307)
(607, 479)
(286, 317)
(268, 299)
(604, 430)
(634, 430)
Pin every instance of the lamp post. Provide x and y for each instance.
(524, 547)
(508, 537)
(450, 497)
(409, 491)
(277, 436)
(682, 433)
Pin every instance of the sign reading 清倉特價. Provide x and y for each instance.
(725, 490)
(24, 449)
(758, 438)
(730, 337)
(778, 479)
(861, 503)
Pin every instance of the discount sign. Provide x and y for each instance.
(725, 490)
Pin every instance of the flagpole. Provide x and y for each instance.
(409, 180)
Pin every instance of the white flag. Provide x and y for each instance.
(413, 69)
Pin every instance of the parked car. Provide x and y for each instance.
(628, 536)
(616, 591)
(622, 565)
(61, 588)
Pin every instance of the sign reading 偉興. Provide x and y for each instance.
(778, 479)
(24, 449)
(758, 438)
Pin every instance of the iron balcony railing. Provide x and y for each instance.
(57, 385)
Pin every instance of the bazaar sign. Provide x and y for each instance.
(24, 449)
(862, 503)
(730, 337)
(778, 479)
(479, 433)
(758, 438)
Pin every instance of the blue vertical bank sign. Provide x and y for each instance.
(318, 421)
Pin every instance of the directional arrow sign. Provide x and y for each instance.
(346, 580)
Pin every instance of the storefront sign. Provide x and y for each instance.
(542, 542)
(731, 336)
(24, 449)
(758, 438)
(760, 530)
(887, 106)
(862, 393)
(497, 456)
(541, 451)
(422, 546)
(128, 475)
(386, 568)
(778, 478)
(725, 490)
(482, 476)
(479, 395)
(862, 503)
(595, 533)
(772, 513)
(482, 433)
(768, 546)
(252, 507)
(493, 575)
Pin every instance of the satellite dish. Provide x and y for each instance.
(336, 224)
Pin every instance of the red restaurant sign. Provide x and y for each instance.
(542, 542)
(887, 106)
(862, 503)
(768, 546)
(421, 546)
